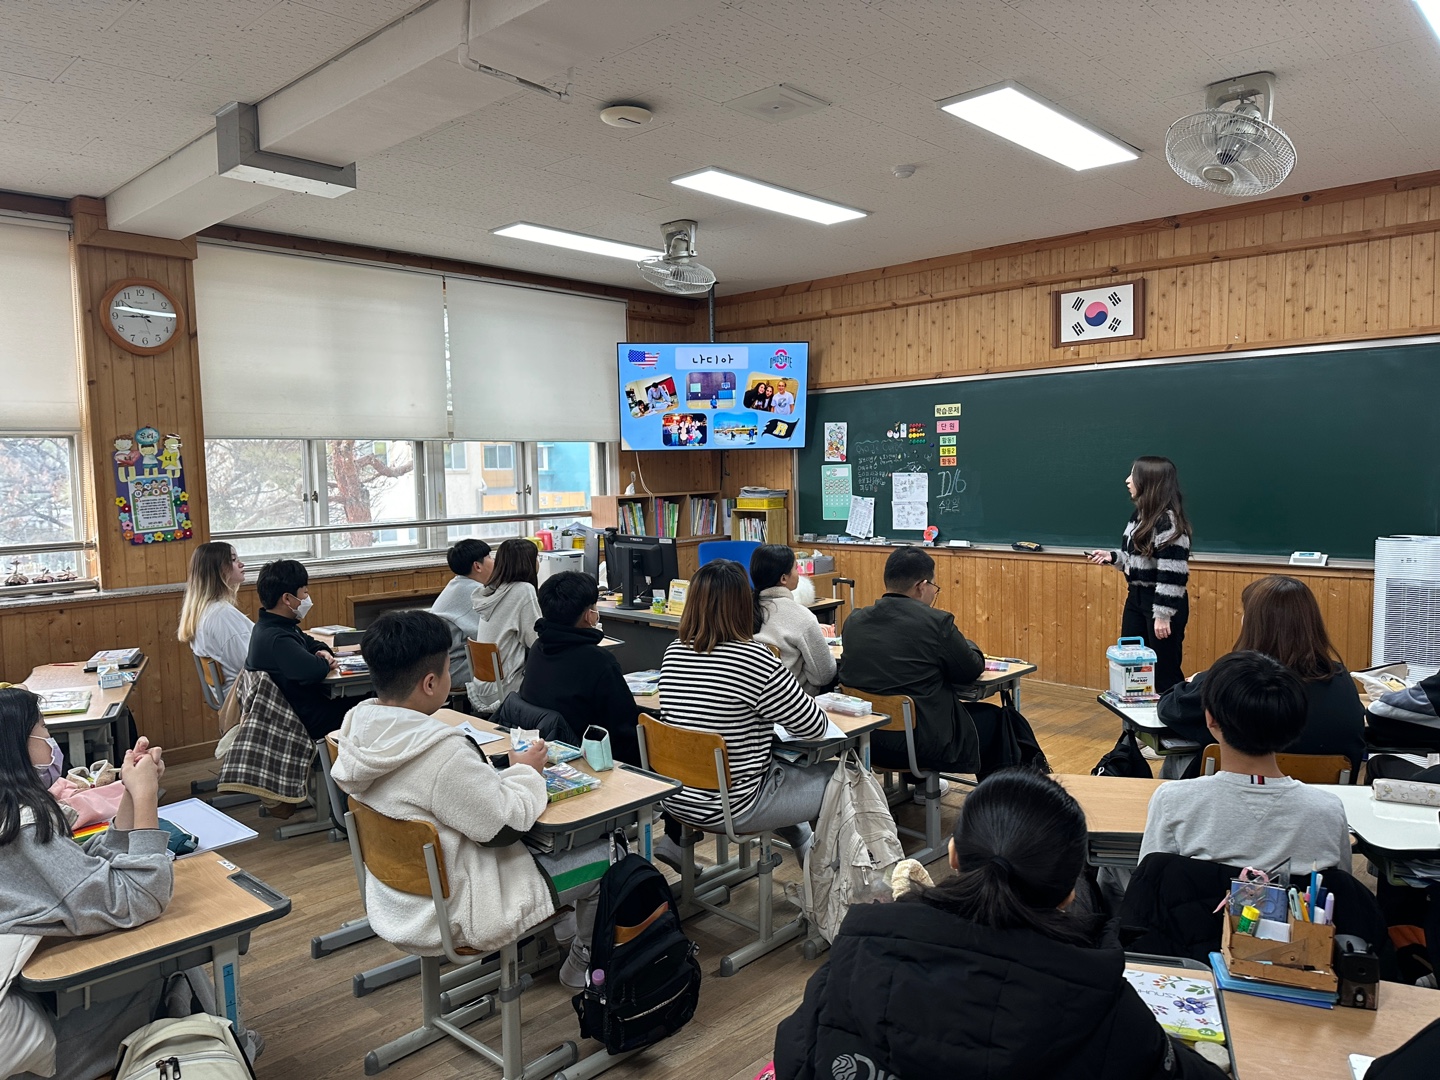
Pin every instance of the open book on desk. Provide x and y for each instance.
(832, 731)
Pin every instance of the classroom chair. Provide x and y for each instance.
(901, 710)
(356, 930)
(698, 760)
(485, 660)
(1307, 768)
(734, 550)
(406, 856)
(212, 687)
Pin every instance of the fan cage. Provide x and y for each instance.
(677, 275)
(1257, 155)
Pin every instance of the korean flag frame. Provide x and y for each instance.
(1123, 317)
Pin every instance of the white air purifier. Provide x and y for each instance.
(1407, 603)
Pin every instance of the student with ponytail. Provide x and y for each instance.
(994, 972)
(1154, 555)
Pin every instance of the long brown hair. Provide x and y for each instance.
(718, 607)
(1283, 621)
(205, 585)
(1157, 490)
(515, 560)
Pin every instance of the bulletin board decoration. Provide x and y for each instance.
(150, 493)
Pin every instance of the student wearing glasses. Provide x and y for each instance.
(904, 644)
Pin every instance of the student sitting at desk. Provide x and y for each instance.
(994, 972)
(1250, 813)
(296, 661)
(51, 886)
(715, 677)
(785, 623)
(401, 762)
(904, 644)
(1283, 621)
(210, 623)
(472, 562)
(569, 672)
(508, 610)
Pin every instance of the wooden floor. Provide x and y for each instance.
(315, 1029)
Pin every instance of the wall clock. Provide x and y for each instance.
(141, 316)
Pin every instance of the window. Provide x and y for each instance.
(39, 510)
(499, 456)
(355, 498)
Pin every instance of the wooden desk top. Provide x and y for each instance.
(1388, 826)
(1145, 716)
(850, 725)
(987, 678)
(1277, 1040)
(621, 788)
(207, 904)
(1112, 804)
(73, 676)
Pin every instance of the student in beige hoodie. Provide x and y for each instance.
(400, 761)
(509, 608)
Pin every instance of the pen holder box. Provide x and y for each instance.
(1303, 961)
(1132, 667)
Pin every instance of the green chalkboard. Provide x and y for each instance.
(1313, 450)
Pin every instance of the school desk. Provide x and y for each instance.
(1115, 808)
(1144, 721)
(213, 910)
(108, 712)
(647, 634)
(1388, 832)
(1279, 1040)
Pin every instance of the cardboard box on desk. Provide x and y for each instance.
(1303, 961)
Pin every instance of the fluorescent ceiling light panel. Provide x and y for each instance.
(1431, 10)
(1015, 113)
(742, 189)
(595, 245)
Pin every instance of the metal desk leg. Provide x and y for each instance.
(75, 752)
(644, 827)
(225, 971)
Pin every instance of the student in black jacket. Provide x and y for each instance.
(569, 672)
(1282, 620)
(296, 661)
(990, 974)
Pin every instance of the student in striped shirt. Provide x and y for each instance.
(1155, 558)
(715, 677)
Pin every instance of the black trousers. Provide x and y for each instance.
(1137, 620)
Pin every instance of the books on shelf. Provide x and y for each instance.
(704, 516)
(118, 657)
(667, 517)
(752, 528)
(632, 518)
(64, 702)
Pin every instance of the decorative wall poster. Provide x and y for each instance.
(1104, 313)
(150, 494)
(910, 500)
(861, 523)
(835, 439)
(835, 491)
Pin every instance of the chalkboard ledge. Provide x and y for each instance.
(1204, 557)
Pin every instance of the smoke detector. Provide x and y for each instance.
(903, 172)
(626, 116)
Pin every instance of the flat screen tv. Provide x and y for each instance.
(747, 396)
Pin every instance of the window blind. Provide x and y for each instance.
(39, 361)
(528, 364)
(306, 348)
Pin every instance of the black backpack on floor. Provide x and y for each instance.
(644, 978)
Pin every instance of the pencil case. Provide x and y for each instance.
(1406, 791)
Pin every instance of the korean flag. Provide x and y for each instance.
(1107, 311)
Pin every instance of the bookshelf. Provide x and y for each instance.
(688, 516)
(770, 526)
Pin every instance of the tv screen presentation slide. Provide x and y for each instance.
(747, 396)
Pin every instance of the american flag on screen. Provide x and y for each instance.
(641, 358)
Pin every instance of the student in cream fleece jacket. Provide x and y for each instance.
(785, 623)
(509, 608)
(400, 761)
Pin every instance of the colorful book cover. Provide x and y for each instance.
(565, 782)
(1187, 1008)
(61, 702)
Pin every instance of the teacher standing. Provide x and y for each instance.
(1155, 558)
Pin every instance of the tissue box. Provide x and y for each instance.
(109, 677)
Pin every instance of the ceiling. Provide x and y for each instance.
(95, 92)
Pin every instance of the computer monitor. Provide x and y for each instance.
(639, 565)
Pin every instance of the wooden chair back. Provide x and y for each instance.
(485, 661)
(895, 706)
(212, 681)
(1307, 768)
(394, 851)
(687, 756)
(332, 747)
(775, 649)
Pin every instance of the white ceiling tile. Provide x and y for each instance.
(18, 58)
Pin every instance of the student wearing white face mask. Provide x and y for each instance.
(296, 661)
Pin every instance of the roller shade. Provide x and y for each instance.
(526, 364)
(307, 348)
(39, 361)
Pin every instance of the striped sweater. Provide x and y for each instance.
(739, 691)
(1166, 572)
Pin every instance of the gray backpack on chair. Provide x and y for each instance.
(198, 1047)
